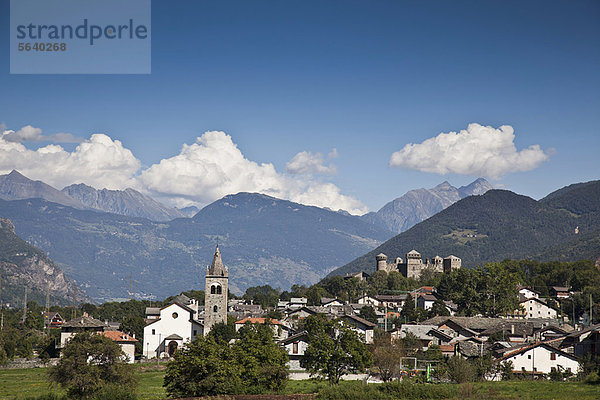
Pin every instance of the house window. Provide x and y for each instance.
(215, 308)
(553, 356)
(529, 356)
(195, 332)
(154, 331)
(175, 315)
(295, 348)
(523, 369)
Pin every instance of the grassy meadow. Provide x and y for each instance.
(18, 384)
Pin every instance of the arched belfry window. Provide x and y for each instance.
(213, 289)
(215, 308)
(219, 290)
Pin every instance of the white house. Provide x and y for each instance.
(125, 341)
(362, 326)
(280, 331)
(540, 358)
(295, 346)
(85, 323)
(369, 301)
(425, 301)
(528, 293)
(537, 308)
(328, 302)
(174, 327)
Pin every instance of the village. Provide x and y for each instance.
(535, 340)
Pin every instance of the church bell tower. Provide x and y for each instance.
(215, 294)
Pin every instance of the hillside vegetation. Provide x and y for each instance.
(501, 224)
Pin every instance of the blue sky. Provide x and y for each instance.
(364, 78)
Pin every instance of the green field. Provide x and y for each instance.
(22, 383)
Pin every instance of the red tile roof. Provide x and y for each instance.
(118, 336)
(258, 321)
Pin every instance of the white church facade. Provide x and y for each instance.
(172, 326)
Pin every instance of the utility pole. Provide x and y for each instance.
(25, 307)
(1, 305)
(48, 298)
(130, 284)
(74, 312)
(591, 310)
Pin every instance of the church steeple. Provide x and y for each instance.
(215, 293)
(217, 268)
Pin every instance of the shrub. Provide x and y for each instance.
(460, 370)
(592, 379)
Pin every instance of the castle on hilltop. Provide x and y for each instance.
(414, 264)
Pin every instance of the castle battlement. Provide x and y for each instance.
(414, 264)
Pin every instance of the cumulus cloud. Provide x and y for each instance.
(202, 172)
(214, 166)
(30, 133)
(307, 163)
(99, 161)
(478, 150)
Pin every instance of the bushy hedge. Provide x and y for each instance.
(387, 391)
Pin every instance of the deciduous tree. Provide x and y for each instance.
(334, 349)
(89, 363)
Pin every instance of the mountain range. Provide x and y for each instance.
(124, 202)
(263, 240)
(129, 202)
(565, 226)
(24, 266)
(417, 205)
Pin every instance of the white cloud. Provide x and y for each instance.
(478, 150)
(201, 173)
(29, 133)
(99, 161)
(307, 163)
(214, 167)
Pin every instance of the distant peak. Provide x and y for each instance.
(14, 172)
(444, 185)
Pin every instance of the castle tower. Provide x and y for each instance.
(451, 263)
(414, 264)
(215, 294)
(381, 262)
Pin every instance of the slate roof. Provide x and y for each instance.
(360, 320)
(152, 310)
(174, 337)
(422, 332)
(522, 349)
(481, 324)
(294, 338)
(258, 321)
(85, 321)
